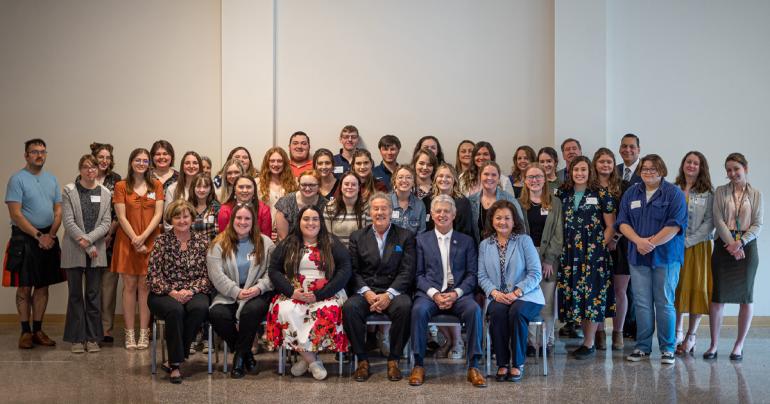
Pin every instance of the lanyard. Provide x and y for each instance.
(738, 206)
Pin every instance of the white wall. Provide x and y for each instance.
(693, 75)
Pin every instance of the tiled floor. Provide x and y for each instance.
(116, 375)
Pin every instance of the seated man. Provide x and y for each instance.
(382, 258)
(446, 279)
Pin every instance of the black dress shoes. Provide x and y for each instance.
(250, 363)
(710, 355)
(736, 357)
(239, 366)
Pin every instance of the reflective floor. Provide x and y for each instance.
(116, 375)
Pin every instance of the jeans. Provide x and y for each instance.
(654, 293)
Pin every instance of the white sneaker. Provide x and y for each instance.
(668, 358)
(299, 368)
(457, 351)
(93, 347)
(318, 370)
(205, 346)
(77, 347)
(192, 348)
(637, 356)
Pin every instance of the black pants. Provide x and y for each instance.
(84, 314)
(222, 317)
(508, 326)
(354, 313)
(182, 321)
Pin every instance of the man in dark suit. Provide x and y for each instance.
(446, 278)
(570, 148)
(383, 259)
(629, 152)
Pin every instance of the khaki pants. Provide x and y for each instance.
(109, 295)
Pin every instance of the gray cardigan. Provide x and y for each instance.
(552, 241)
(72, 256)
(721, 195)
(224, 275)
(700, 223)
(475, 201)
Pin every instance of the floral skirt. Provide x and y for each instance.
(308, 327)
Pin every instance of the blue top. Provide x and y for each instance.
(381, 173)
(413, 217)
(341, 165)
(522, 268)
(245, 250)
(666, 207)
(37, 195)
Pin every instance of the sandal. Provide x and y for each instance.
(502, 374)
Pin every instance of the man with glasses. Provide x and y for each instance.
(349, 139)
(299, 153)
(32, 261)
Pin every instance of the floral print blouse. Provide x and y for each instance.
(172, 269)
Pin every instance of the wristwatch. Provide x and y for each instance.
(518, 292)
(390, 295)
(38, 234)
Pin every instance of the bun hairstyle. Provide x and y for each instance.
(97, 147)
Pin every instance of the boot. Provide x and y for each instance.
(617, 341)
(601, 340)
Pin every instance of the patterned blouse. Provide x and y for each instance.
(206, 221)
(501, 250)
(171, 269)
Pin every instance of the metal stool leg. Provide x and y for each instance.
(211, 348)
(224, 354)
(154, 353)
(545, 348)
(281, 361)
(341, 358)
(163, 342)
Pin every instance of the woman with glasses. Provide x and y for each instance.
(138, 202)
(288, 207)
(408, 211)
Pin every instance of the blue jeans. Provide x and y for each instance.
(654, 293)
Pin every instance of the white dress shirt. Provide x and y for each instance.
(444, 244)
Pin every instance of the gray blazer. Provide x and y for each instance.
(522, 268)
(721, 195)
(72, 256)
(700, 223)
(224, 275)
(475, 201)
(553, 234)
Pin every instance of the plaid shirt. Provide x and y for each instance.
(206, 222)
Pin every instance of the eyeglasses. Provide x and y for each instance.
(38, 152)
(534, 177)
(104, 158)
(244, 205)
(309, 186)
(649, 170)
(141, 161)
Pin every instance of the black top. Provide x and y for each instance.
(396, 268)
(338, 281)
(536, 223)
(89, 208)
(482, 219)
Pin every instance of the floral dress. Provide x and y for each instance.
(584, 276)
(309, 327)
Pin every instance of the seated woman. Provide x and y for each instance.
(179, 284)
(309, 269)
(347, 212)
(509, 274)
(237, 266)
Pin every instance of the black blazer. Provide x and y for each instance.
(635, 178)
(395, 269)
(338, 281)
(463, 219)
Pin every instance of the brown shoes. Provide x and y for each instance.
(362, 372)
(617, 340)
(394, 373)
(476, 378)
(25, 341)
(601, 340)
(417, 378)
(39, 338)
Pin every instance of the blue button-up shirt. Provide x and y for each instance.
(341, 166)
(666, 207)
(413, 218)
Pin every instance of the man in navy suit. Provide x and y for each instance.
(382, 258)
(629, 152)
(446, 278)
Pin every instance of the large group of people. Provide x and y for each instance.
(302, 252)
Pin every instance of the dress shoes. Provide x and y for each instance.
(516, 377)
(710, 355)
(601, 340)
(394, 373)
(250, 363)
(25, 341)
(476, 378)
(736, 357)
(502, 374)
(239, 367)
(362, 371)
(39, 338)
(417, 378)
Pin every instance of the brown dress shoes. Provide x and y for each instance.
(394, 373)
(25, 341)
(417, 378)
(362, 372)
(39, 338)
(476, 378)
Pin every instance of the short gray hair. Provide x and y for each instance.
(381, 195)
(444, 199)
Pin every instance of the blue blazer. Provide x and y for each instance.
(635, 178)
(522, 268)
(430, 270)
(475, 201)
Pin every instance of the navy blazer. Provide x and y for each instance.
(635, 178)
(394, 270)
(430, 269)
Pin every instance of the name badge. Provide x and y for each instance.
(151, 195)
(96, 198)
(251, 257)
(591, 200)
(636, 204)
(338, 170)
(427, 218)
(555, 191)
(696, 201)
(543, 212)
(210, 219)
(396, 214)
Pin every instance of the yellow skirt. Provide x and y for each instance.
(693, 293)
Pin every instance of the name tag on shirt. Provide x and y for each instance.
(697, 201)
(591, 200)
(96, 198)
(555, 191)
(151, 195)
(210, 219)
(338, 170)
(427, 218)
(396, 214)
(636, 204)
(251, 257)
(543, 212)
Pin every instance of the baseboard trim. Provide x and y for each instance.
(758, 321)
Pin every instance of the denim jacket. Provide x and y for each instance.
(700, 226)
(412, 218)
